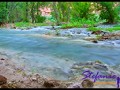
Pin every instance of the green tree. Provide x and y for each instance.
(61, 12)
(109, 12)
(3, 13)
(80, 10)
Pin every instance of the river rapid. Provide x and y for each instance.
(52, 56)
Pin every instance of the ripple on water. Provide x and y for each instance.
(52, 56)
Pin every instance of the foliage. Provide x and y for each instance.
(27, 24)
(79, 23)
(80, 9)
(61, 12)
(117, 25)
(111, 29)
(3, 12)
(95, 29)
(71, 25)
(67, 14)
(109, 12)
(40, 19)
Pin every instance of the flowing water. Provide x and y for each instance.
(52, 57)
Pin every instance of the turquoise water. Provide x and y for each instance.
(53, 56)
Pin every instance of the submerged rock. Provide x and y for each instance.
(95, 41)
(100, 67)
(2, 59)
(79, 68)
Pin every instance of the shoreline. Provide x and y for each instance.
(18, 78)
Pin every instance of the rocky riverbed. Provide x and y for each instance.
(14, 76)
(97, 37)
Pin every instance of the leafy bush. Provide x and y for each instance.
(40, 19)
(109, 12)
(113, 29)
(79, 23)
(80, 9)
(94, 17)
(3, 13)
(71, 25)
(27, 24)
(22, 24)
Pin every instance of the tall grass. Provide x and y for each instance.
(27, 24)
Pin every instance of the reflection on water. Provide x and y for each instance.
(52, 56)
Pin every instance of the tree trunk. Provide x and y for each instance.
(56, 13)
(26, 17)
(37, 8)
(7, 18)
(68, 15)
(32, 13)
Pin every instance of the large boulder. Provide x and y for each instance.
(51, 83)
(3, 80)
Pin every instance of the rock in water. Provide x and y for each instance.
(2, 59)
(94, 41)
(3, 80)
(100, 67)
(87, 83)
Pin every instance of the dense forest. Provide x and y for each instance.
(61, 12)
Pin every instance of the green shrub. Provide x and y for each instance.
(79, 23)
(80, 9)
(113, 29)
(27, 24)
(3, 13)
(22, 24)
(109, 13)
(71, 25)
(40, 19)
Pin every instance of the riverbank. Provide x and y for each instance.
(16, 77)
(20, 78)
(11, 76)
